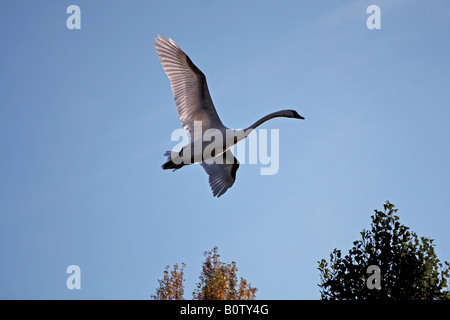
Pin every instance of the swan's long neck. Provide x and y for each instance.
(241, 134)
(277, 114)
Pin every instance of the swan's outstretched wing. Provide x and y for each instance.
(222, 176)
(189, 87)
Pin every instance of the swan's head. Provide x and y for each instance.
(293, 114)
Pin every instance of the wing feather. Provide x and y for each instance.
(189, 87)
(221, 175)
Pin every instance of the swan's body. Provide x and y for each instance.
(199, 117)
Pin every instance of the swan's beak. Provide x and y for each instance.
(297, 116)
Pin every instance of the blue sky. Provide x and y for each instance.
(86, 115)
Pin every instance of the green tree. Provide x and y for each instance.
(218, 281)
(409, 267)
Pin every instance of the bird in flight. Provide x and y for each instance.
(199, 116)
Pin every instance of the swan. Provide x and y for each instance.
(198, 115)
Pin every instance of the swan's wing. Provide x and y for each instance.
(189, 87)
(222, 176)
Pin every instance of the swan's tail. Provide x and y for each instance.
(169, 164)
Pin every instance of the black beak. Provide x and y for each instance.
(297, 116)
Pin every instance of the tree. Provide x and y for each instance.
(408, 266)
(218, 281)
(171, 285)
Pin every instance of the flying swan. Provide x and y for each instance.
(198, 116)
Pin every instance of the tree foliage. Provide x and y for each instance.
(218, 281)
(171, 285)
(409, 267)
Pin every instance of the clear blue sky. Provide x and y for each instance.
(86, 115)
